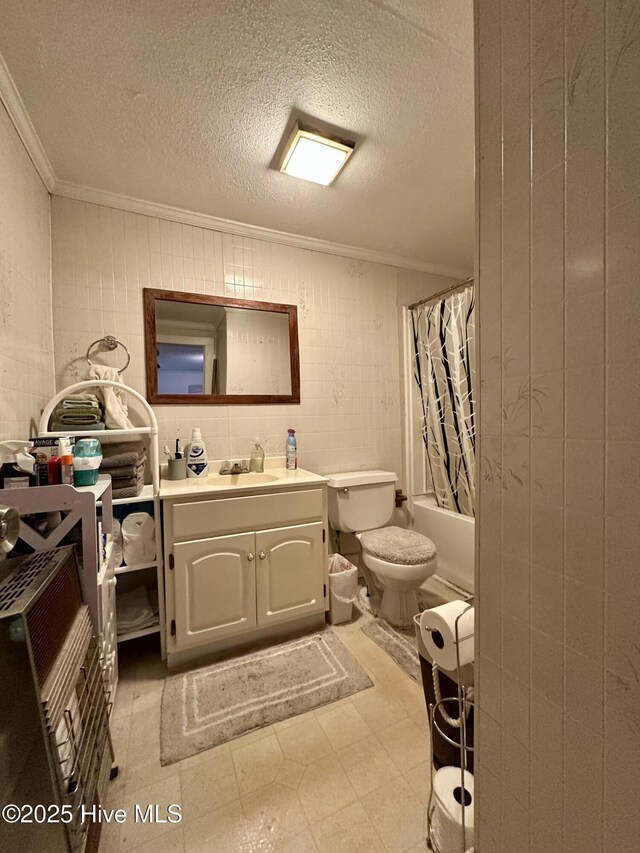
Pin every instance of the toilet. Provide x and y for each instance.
(401, 560)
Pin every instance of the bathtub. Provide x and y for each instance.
(453, 536)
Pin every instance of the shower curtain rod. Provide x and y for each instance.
(441, 293)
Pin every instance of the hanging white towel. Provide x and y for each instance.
(116, 412)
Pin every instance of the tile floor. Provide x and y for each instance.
(351, 776)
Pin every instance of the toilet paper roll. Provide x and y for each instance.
(138, 538)
(438, 630)
(451, 800)
(116, 553)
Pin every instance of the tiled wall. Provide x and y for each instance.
(350, 414)
(26, 343)
(559, 520)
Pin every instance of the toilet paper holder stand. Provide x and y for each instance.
(462, 703)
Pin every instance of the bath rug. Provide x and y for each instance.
(397, 644)
(205, 707)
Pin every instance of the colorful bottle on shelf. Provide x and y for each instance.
(54, 465)
(292, 450)
(87, 456)
(43, 449)
(41, 466)
(66, 462)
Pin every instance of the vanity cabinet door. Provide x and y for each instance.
(290, 572)
(215, 588)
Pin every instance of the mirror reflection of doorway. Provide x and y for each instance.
(185, 368)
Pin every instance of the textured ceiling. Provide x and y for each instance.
(184, 102)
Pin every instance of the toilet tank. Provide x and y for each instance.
(361, 500)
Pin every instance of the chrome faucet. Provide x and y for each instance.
(240, 466)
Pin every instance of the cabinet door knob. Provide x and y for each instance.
(250, 556)
(262, 555)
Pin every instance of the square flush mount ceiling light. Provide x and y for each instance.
(313, 157)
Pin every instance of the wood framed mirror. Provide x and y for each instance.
(217, 350)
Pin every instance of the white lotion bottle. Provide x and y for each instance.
(197, 464)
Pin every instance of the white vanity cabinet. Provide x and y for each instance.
(290, 572)
(236, 566)
(214, 589)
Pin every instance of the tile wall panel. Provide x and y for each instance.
(559, 509)
(350, 337)
(26, 342)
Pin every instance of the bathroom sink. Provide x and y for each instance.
(218, 484)
(249, 479)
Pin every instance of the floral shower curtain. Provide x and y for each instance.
(444, 368)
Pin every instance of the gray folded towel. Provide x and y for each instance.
(126, 471)
(123, 482)
(126, 475)
(128, 491)
(58, 426)
(122, 460)
(133, 453)
(116, 447)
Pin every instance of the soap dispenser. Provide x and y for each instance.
(257, 459)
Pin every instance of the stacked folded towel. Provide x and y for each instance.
(136, 609)
(78, 410)
(125, 462)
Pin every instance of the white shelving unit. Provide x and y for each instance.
(78, 504)
(125, 570)
(150, 492)
(71, 389)
(133, 635)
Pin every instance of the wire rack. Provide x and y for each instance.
(462, 704)
(76, 705)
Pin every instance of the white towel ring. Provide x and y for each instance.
(110, 343)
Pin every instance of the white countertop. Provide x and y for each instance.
(216, 484)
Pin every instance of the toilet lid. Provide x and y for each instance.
(398, 545)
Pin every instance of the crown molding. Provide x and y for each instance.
(18, 114)
(228, 226)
